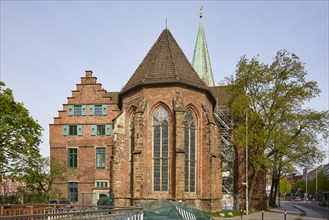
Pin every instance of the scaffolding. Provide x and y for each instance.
(223, 120)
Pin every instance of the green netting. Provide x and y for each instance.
(162, 209)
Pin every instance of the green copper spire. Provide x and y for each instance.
(201, 60)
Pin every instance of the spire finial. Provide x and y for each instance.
(166, 23)
(201, 11)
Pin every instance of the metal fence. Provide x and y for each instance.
(65, 213)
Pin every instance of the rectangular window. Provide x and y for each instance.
(73, 158)
(102, 184)
(73, 130)
(77, 110)
(100, 158)
(98, 110)
(100, 129)
(73, 191)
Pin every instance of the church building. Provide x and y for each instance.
(155, 139)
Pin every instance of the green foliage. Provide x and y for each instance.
(40, 173)
(300, 184)
(285, 186)
(281, 134)
(10, 199)
(20, 134)
(322, 182)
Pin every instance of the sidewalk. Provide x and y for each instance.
(273, 214)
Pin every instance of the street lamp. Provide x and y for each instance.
(306, 185)
(247, 200)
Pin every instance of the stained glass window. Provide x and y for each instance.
(190, 151)
(160, 150)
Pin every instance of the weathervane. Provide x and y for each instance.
(201, 11)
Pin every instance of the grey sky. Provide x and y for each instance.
(47, 45)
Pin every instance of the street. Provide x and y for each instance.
(295, 211)
(311, 210)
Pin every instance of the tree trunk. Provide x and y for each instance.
(271, 200)
(252, 182)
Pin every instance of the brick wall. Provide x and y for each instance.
(87, 93)
(130, 169)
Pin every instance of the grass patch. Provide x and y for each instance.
(225, 212)
(227, 215)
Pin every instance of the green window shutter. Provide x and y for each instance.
(93, 130)
(91, 109)
(104, 109)
(107, 130)
(65, 130)
(83, 110)
(71, 110)
(79, 130)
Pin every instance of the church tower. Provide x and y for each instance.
(201, 59)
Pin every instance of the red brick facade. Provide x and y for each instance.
(88, 93)
(129, 144)
(111, 138)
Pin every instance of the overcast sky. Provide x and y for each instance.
(47, 45)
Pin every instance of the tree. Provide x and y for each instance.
(281, 134)
(20, 134)
(285, 186)
(40, 173)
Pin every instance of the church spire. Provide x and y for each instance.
(201, 60)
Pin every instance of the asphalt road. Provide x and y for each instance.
(312, 211)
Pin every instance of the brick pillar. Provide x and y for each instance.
(215, 161)
(215, 166)
(179, 184)
(179, 154)
(137, 154)
(212, 140)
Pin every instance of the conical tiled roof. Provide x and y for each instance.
(165, 63)
(201, 59)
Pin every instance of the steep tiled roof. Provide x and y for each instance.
(221, 94)
(165, 63)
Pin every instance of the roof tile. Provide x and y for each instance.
(165, 63)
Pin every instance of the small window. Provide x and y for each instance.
(98, 110)
(100, 129)
(100, 157)
(73, 130)
(102, 184)
(78, 110)
(73, 191)
(73, 158)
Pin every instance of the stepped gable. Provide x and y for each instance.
(165, 63)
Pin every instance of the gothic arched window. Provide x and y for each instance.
(190, 151)
(160, 150)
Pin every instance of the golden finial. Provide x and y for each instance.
(201, 11)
